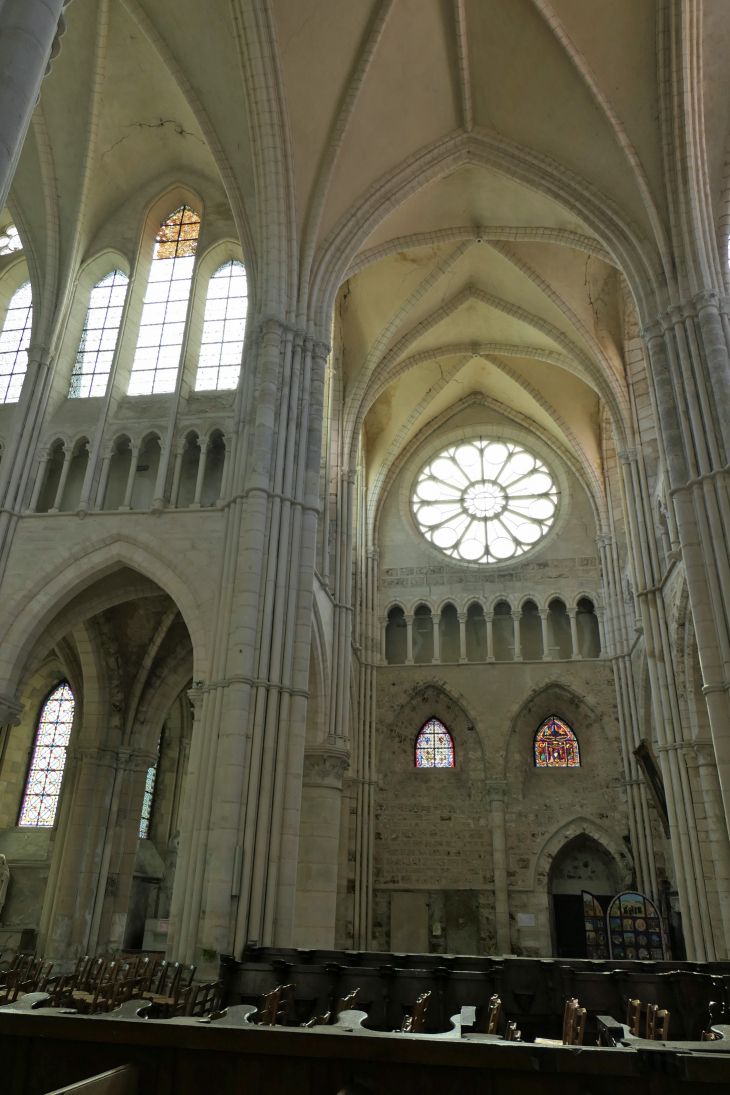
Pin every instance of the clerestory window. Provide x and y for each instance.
(484, 501)
(223, 328)
(162, 327)
(14, 342)
(43, 786)
(99, 339)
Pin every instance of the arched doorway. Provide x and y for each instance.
(581, 864)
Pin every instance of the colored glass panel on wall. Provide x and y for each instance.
(595, 921)
(556, 746)
(434, 747)
(635, 928)
(149, 794)
(43, 788)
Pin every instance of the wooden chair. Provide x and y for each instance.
(633, 1017)
(346, 1003)
(274, 1007)
(574, 1022)
(318, 1020)
(657, 1023)
(495, 1006)
(414, 1023)
(512, 1034)
(199, 1000)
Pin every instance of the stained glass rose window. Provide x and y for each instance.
(485, 501)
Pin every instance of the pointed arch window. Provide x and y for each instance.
(149, 794)
(14, 342)
(434, 746)
(223, 327)
(43, 786)
(556, 746)
(165, 308)
(99, 339)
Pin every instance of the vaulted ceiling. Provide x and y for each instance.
(471, 281)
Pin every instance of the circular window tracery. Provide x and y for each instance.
(484, 501)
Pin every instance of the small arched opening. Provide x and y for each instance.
(582, 864)
(396, 637)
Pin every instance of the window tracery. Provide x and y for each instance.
(434, 746)
(99, 338)
(43, 786)
(223, 328)
(164, 312)
(485, 501)
(10, 240)
(14, 342)
(556, 746)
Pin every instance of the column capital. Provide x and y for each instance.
(10, 710)
(497, 790)
(707, 298)
(516, 614)
(543, 613)
(653, 330)
(324, 766)
(462, 617)
(321, 349)
(409, 617)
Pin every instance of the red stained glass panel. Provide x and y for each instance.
(556, 746)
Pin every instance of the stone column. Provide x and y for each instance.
(516, 617)
(103, 480)
(717, 833)
(546, 655)
(436, 619)
(497, 793)
(39, 477)
(602, 633)
(319, 836)
(409, 639)
(127, 504)
(177, 471)
(67, 454)
(461, 617)
(383, 621)
(489, 617)
(27, 32)
(572, 613)
(204, 450)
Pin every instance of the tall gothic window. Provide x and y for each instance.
(161, 330)
(43, 787)
(556, 746)
(434, 746)
(14, 342)
(99, 339)
(225, 320)
(149, 794)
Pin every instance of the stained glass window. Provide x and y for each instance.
(484, 501)
(10, 240)
(556, 746)
(636, 929)
(40, 801)
(434, 746)
(99, 339)
(165, 308)
(225, 320)
(14, 342)
(149, 794)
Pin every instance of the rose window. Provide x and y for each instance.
(485, 501)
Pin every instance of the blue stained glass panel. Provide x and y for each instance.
(556, 746)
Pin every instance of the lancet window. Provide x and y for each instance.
(99, 339)
(43, 786)
(149, 794)
(162, 327)
(434, 746)
(556, 746)
(223, 327)
(14, 342)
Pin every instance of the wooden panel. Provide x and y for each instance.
(120, 1081)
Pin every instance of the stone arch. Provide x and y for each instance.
(569, 831)
(436, 698)
(33, 610)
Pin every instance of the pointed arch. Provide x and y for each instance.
(48, 759)
(555, 745)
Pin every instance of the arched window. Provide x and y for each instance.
(434, 746)
(556, 746)
(43, 786)
(149, 794)
(10, 240)
(165, 309)
(14, 342)
(225, 320)
(99, 339)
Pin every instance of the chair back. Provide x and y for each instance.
(346, 1003)
(495, 1006)
(633, 1017)
(657, 1023)
(512, 1034)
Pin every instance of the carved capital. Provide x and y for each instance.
(324, 766)
(708, 298)
(321, 349)
(653, 330)
(497, 791)
(10, 710)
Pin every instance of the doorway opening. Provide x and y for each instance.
(581, 864)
